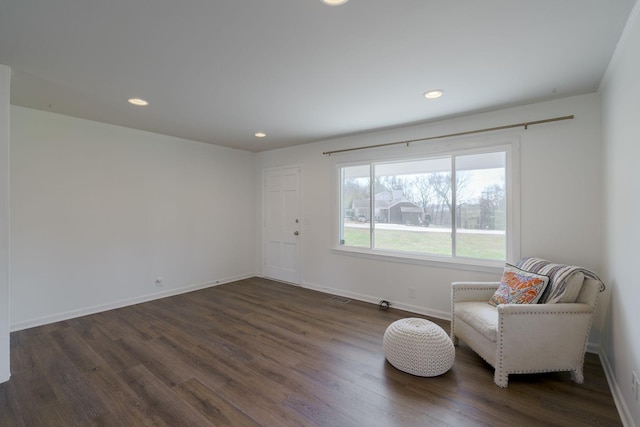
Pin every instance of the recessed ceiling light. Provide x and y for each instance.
(138, 102)
(334, 2)
(260, 134)
(433, 94)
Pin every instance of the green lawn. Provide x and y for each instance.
(472, 245)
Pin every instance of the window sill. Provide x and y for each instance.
(495, 267)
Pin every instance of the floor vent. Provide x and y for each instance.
(340, 300)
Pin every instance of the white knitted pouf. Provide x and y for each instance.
(419, 347)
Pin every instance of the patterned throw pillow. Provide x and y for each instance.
(519, 287)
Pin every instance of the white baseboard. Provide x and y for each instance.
(618, 398)
(593, 347)
(58, 317)
(375, 300)
(4, 377)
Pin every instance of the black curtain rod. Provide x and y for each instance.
(469, 132)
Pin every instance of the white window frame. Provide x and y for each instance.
(459, 146)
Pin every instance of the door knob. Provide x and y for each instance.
(295, 233)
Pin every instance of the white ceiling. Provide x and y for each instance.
(299, 70)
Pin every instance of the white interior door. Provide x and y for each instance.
(282, 224)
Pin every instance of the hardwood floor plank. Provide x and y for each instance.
(122, 400)
(68, 383)
(205, 365)
(76, 349)
(344, 393)
(212, 405)
(30, 401)
(153, 361)
(266, 407)
(259, 352)
(162, 402)
(11, 410)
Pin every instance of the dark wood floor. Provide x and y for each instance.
(258, 352)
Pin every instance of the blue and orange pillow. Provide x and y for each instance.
(519, 287)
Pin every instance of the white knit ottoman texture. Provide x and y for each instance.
(419, 347)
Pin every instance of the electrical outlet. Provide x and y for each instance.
(412, 292)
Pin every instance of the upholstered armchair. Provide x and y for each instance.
(524, 338)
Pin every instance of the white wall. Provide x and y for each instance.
(99, 211)
(5, 76)
(620, 91)
(560, 204)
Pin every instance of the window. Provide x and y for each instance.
(452, 206)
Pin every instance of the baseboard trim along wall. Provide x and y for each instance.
(623, 409)
(121, 303)
(375, 300)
